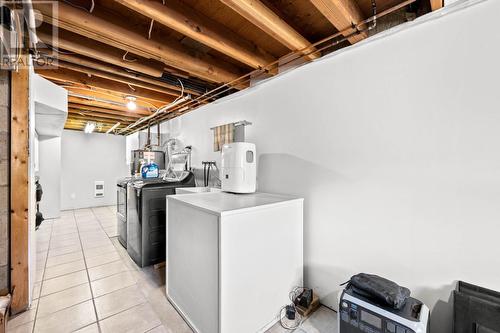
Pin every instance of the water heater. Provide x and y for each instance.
(238, 167)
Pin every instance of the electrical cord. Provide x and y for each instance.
(291, 324)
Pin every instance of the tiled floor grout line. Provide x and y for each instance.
(87, 271)
(43, 275)
(121, 259)
(134, 306)
(43, 280)
(55, 292)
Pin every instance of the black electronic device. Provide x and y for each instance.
(305, 298)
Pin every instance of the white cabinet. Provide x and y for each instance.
(233, 259)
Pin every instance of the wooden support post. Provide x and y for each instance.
(436, 4)
(19, 182)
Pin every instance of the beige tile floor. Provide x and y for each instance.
(86, 282)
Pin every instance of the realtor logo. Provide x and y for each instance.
(20, 25)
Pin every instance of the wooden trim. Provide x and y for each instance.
(199, 27)
(19, 193)
(342, 14)
(436, 4)
(264, 18)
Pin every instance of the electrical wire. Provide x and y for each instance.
(159, 110)
(92, 5)
(125, 58)
(288, 323)
(374, 13)
(18, 41)
(150, 29)
(334, 40)
(291, 324)
(58, 50)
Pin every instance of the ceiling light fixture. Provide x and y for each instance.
(131, 105)
(89, 127)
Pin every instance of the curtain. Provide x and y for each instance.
(222, 135)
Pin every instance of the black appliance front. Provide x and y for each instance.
(146, 219)
(121, 209)
(146, 224)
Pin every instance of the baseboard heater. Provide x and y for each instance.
(475, 309)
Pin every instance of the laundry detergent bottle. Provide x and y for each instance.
(150, 170)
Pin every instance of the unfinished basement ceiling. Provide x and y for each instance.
(155, 51)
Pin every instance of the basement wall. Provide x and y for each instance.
(86, 158)
(394, 144)
(4, 180)
(49, 171)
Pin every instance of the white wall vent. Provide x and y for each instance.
(99, 188)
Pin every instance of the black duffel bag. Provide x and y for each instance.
(381, 290)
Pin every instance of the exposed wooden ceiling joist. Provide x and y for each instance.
(104, 105)
(83, 112)
(264, 18)
(87, 108)
(197, 26)
(342, 14)
(97, 118)
(69, 76)
(74, 121)
(79, 125)
(172, 53)
(97, 65)
(89, 48)
(114, 100)
(117, 78)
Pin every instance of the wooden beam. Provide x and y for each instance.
(172, 53)
(91, 49)
(90, 114)
(99, 104)
(264, 18)
(112, 100)
(73, 121)
(86, 108)
(197, 26)
(117, 78)
(342, 14)
(69, 76)
(436, 4)
(74, 59)
(97, 119)
(19, 184)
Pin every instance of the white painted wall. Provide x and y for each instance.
(394, 145)
(49, 171)
(85, 159)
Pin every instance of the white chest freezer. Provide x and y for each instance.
(232, 259)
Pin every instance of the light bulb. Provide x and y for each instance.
(131, 105)
(89, 127)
